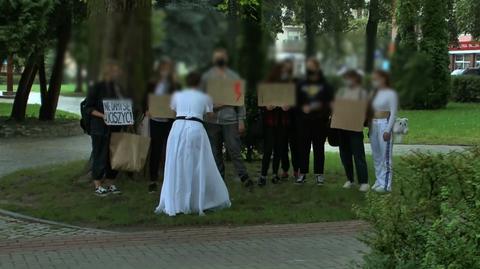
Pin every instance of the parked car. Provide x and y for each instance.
(457, 72)
(471, 72)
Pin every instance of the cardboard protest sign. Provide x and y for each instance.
(227, 92)
(276, 94)
(118, 112)
(159, 106)
(349, 114)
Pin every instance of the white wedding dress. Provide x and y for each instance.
(192, 182)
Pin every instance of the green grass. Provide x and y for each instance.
(458, 124)
(66, 90)
(33, 110)
(55, 193)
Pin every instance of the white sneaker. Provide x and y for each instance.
(320, 179)
(364, 187)
(379, 189)
(348, 184)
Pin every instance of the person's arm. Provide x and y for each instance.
(92, 100)
(393, 111)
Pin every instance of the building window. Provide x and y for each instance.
(477, 60)
(462, 61)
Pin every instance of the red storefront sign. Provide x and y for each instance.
(467, 45)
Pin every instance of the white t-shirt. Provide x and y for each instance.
(386, 100)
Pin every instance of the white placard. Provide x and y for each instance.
(118, 112)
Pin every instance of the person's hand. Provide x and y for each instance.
(241, 127)
(306, 109)
(285, 108)
(217, 106)
(270, 108)
(387, 136)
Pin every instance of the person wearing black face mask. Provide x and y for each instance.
(227, 123)
(314, 96)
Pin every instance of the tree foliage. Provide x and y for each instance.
(23, 25)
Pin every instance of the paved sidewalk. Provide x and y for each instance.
(320, 245)
(13, 228)
(65, 103)
(17, 154)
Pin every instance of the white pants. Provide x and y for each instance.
(382, 154)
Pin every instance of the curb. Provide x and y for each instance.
(48, 222)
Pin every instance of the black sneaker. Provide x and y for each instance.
(262, 181)
(301, 179)
(101, 191)
(152, 188)
(275, 180)
(113, 189)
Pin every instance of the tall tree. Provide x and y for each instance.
(252, 52)
(121, 31)
(371, 34)
(23, 34)
(63, 22)
(435, 41)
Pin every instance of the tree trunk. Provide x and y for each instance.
(79, 78)
(23, 91)
(232, 31)
(49, 107)
(42, 77)
(121, 31)
(371, 34)
(310, 29)
(252, 52)
(10, 74)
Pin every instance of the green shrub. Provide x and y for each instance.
(466, 89)
(432, 219)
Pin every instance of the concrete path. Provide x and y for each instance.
(65, 103)
(17, 154)
(319, 245)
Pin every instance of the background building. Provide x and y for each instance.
(465, 54)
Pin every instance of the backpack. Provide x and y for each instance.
(85, 117)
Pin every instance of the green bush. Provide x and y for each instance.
(432, 219)
(466, 89)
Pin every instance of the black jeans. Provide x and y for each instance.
(351, 146)
(101, 166)
(293, 143)
(275, 142)
(159, 132)
(312, 130)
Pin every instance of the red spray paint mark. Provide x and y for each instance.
(238, 90)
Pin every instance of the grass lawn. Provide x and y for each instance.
(67, 90)
(55, 193)
(32, 112)
(458, 124)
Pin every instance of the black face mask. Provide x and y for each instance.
(220, 62)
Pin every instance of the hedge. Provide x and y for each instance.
(466, 89)
(431, 219)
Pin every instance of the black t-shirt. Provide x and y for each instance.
(317, 94)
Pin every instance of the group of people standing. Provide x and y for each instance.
(189, 151)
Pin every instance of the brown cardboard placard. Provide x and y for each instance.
(229, 92)
(159, 106)
(349, 114)
(276, 94)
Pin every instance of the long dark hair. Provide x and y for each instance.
(385, 75)
(171, 78)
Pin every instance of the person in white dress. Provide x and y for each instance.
(192, 183)
(385, 107)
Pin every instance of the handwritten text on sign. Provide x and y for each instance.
(118, 112)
